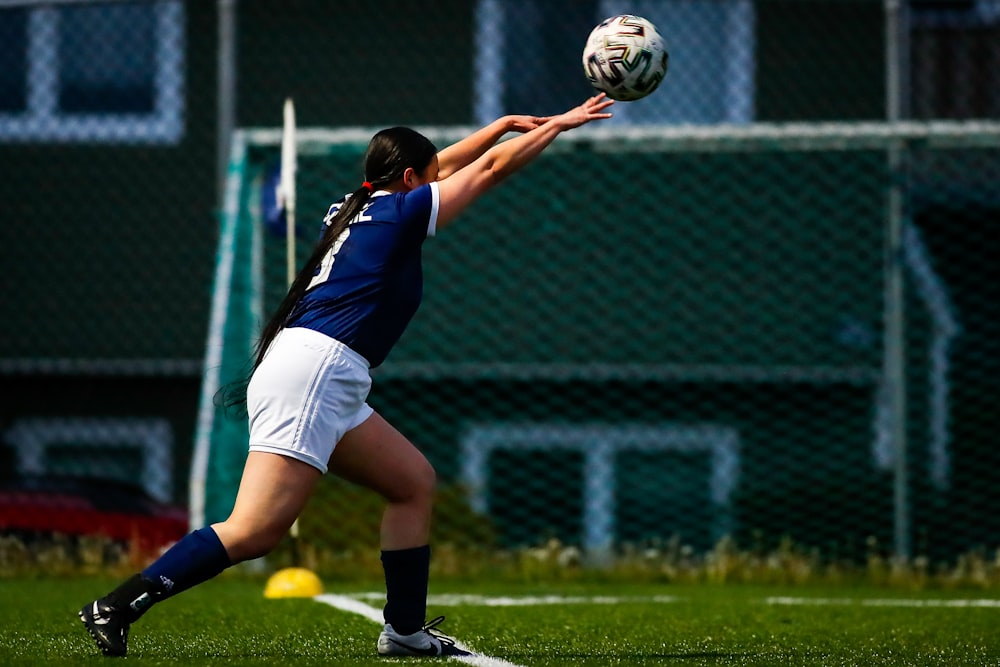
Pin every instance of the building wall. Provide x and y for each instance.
(108, 249)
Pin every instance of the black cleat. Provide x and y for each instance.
(108, 626)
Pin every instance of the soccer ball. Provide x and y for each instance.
(625, 57)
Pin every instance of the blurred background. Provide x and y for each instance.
(746, 312)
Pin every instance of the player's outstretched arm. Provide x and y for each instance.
(464, 152)
(461, 188)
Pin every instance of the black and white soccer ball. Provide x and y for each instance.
(625, 57)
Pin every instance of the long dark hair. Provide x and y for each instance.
(390, 152)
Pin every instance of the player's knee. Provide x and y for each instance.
(246, 542)
(427, 481)
(418, 485)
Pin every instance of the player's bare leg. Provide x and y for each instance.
(378, 457)
(272, 493)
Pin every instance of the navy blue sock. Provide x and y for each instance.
(406, 575)
(196, 558)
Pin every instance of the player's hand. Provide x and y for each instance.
(525, 123)
(592, 109)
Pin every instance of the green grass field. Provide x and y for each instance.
(229, 622)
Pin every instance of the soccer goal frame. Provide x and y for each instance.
(900, 254)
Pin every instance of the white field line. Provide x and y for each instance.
(349, 604)
(456, 600)
(889, 602)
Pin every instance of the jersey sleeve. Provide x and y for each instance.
(420, 207)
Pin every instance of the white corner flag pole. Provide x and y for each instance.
(289, 165)
(289, 158)
(294, 581)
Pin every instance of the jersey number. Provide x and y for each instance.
(326, 266)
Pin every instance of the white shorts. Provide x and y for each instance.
(306, 394)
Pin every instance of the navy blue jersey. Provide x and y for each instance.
(369, 285)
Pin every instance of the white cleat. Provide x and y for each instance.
(423, 642)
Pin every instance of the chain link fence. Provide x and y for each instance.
(744, 312)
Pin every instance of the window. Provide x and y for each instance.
(75, 71)
(528, 58)
(13, 92)
(954, 57)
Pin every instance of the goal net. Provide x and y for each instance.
(666, 336)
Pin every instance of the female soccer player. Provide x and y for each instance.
(306, 398)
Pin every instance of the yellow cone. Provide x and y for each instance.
(293, 582)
